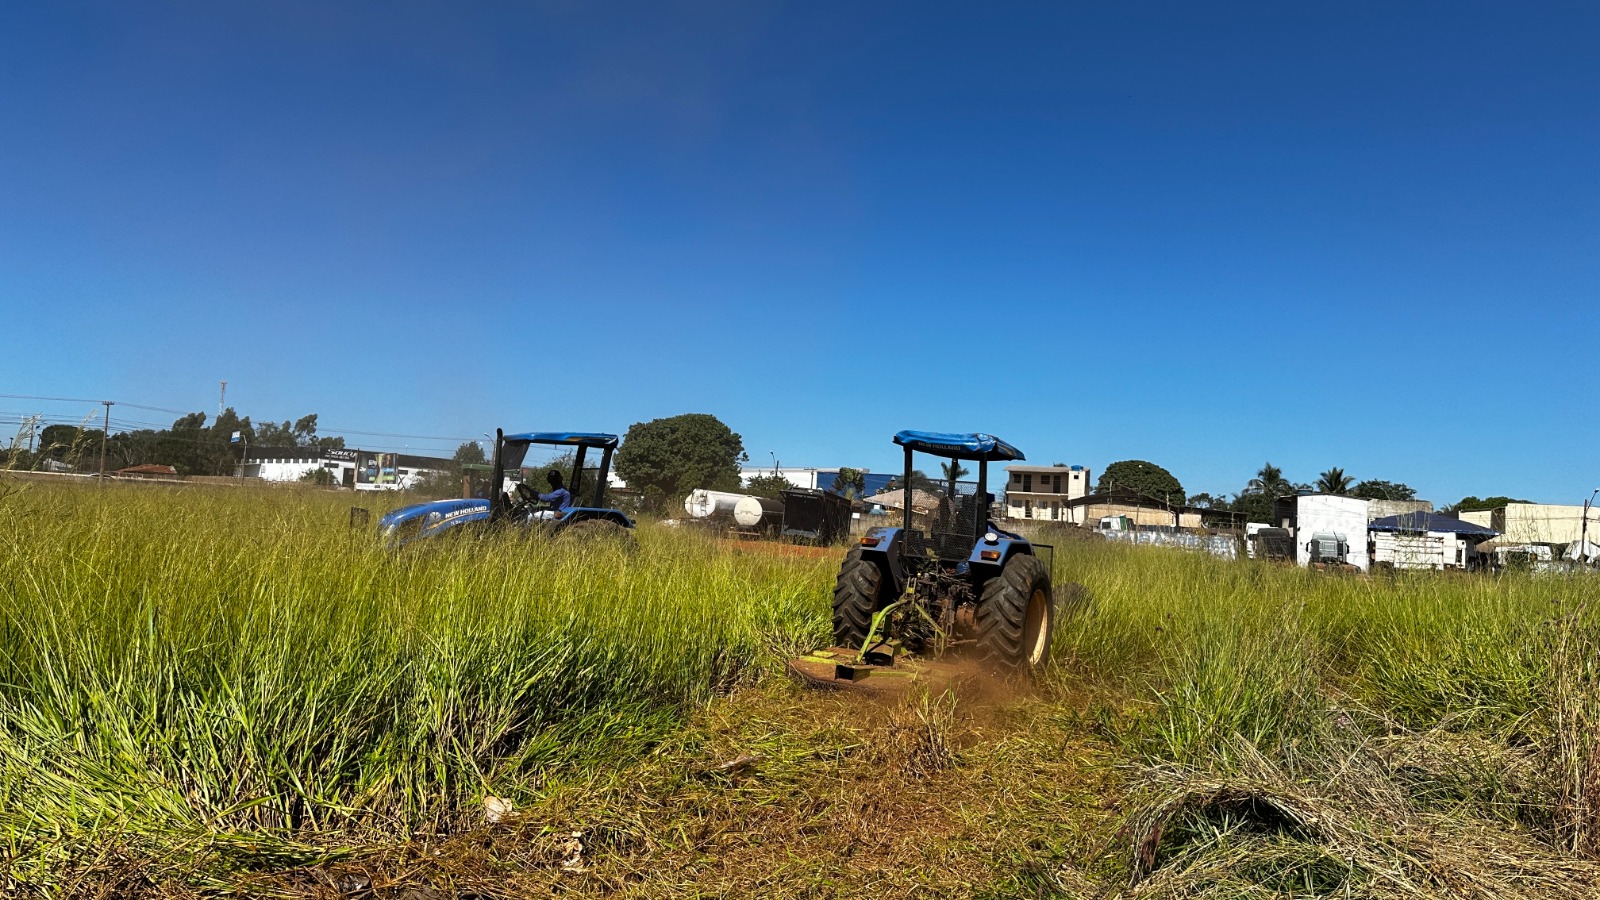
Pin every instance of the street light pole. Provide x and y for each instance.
(1583, 532)
(105, 435)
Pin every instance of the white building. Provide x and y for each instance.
(1543, 523)
(362, 470)
(799, 476)
(1044, 492)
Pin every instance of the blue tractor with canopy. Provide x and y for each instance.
(521, 505)
(947, 575)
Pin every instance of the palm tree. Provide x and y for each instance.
(1270, 481)
(1334, 481)
(953, 470)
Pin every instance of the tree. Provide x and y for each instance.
(68, 443)
(319, 476)
(953, 470)
(305, 434)
(1470, 504)
(271, 434)
(919, 482)
(1333, 481)
(1204, 500)
(1137, 476)
(469, 453)
(302, 433)
(850, 483)
(770, 486)
(1269, 480)
(667, 458)
(1372, 489)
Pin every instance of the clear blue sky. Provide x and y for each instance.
(1360, 235)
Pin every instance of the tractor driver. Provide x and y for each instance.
(557, 500)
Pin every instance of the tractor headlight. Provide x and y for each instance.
(991, 538)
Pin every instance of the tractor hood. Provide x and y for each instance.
(420, 520)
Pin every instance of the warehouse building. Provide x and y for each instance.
(362, 470)
(1536, 523)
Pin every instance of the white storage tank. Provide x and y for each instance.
(703, 504)
(758, 512)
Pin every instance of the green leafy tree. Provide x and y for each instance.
(469, 452)
(851, 483)
(919, 482)
(770, 486)
(665, 459)
(1205, 500)
(1253, 506)
(1372, 489)
(319, 476)
(271, 434)
(1255, 503)
(305, 434)
(1471, 504)
(1136, 476)
(1334, 481)
(70, 444)
(300, 433)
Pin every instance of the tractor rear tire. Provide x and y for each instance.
(1017, 615)
(598, 531)
(856, 596)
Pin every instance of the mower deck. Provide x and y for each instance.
(838, 669)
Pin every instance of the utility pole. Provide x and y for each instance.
(33, 425)
(105, 435)
(221, 395)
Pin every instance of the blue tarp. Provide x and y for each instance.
(584, 438)
(1427, 521)
(959, 446)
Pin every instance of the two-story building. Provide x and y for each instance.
(1044, 492)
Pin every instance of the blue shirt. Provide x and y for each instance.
(558, 498)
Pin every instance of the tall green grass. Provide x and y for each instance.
(242, 669)
(202, 661)
(1261, 650)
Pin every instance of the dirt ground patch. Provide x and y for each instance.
(784, 792)
(778, 548)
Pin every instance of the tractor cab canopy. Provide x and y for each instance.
(985, 447)
(586, 483)
(516, 445)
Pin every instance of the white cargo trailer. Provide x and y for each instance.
(1411, 551)
(1324, 520)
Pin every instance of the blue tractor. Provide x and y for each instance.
(947, 575)
(522, 505)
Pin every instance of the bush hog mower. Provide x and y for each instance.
(522, 506)
(947, 578)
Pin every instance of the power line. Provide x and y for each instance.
(327, 430)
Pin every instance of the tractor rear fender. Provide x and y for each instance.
(584, 513)
(988, 559)
(884, 546)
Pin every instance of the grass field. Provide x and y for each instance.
(212, 690)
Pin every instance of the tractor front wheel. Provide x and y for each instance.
(1017, 615)
(855, 599)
